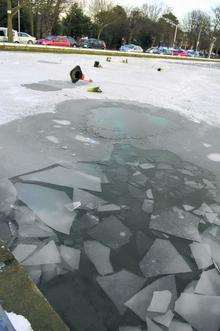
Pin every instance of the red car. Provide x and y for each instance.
(180, 52)
(55, 41)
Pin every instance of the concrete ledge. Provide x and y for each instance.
(82, 51)
(21, 296)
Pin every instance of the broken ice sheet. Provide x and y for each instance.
(48, 204)
(190, 288)
(22, 251)
(202, 255)
(180, 326)
(146, 166)
(111, 232)
(29, 226)
(71, 256)
(120, 287)
(88, 221)
(48, 254)
(164, 319)
(34, 273)
(160, 302)
(177, 222)
(209, 215)
(62, 176)
(88, 200)
(141, 301)
(108, 208)
(209, 283)
(200, 311)
(50, 271)
(151, 326)
(163, 259)
(214, 245)
(130, 328)
(8, 195)
(149, 194)
(99, 256)
(148, 206)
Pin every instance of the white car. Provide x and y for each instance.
(25, 38)
(131, 48)
(4, 35)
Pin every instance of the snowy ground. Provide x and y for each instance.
(189, 88)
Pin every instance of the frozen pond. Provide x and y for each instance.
(113, 208)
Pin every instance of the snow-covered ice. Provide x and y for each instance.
(139, 81)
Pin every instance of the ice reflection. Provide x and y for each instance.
(130, 243)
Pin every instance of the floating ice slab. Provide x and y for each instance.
(160, 302)
(108, 208)
(164, 319)
(86, 140)
(209, 283)
(190, 288)
(66, 177)
(88, 200)
(111, 232)
(163, 259)
(21, 252)
(148, 206)
(99, 256)
(178, 223)
(48, 204)
(200, 311)
(130, 328)
(71, 256)
(146, 166)
(53, 139)
(120, 287)
(8, 195)
(62, 122)
(151, 326)
(141, 301)
(88, 221)
(149, 194)
(143, 243)
(214, 245)
(50, 271)
(48, 254)
(34, 273)
(179, 326)
(202, 255)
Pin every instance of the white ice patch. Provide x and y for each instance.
(53, 139)
(207, 145)
(85, 139)
(62, 122)
(214, 157)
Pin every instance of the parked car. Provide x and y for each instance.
(92, 43)
(4, 35)
(60, 41)
(25, 38)
(73, 42)
(131, 48)
(192, 53)
(180, 52)
(153, 50)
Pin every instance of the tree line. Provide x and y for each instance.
(153, 24)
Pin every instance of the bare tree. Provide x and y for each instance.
(96, 6)
(154, 10)
(11, 12)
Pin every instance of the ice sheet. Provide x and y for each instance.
(178, 223)
(179, 326)
(200, 311)
(160, 302)
(209, 283)
(99, 256)
(141, 301)
(66, 177)
(8, 195)
(111, 232)
(163, 259)
(71, 256)
(48, 204)
(48, 254)
(164, 319)
(202, 255)
(120, 287)
(22, 251)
